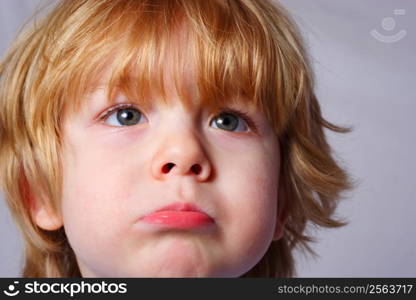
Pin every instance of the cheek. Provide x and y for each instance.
(252, 177)
(254, 204)
(249, 185)
(94, 194)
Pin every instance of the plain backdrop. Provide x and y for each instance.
(362, 80)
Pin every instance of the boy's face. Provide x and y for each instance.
(115, 174)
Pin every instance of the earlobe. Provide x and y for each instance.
(41, 214)
(46, 219)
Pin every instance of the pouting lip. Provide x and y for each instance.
(179, 206)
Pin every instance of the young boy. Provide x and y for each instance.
(164, 138)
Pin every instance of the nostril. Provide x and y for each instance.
(166, 168)
(196, 169)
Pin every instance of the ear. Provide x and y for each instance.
(281, 212)
(42, 214)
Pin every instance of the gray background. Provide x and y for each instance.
(361, 81)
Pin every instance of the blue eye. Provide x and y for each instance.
(123, 116)
(230, 122)
(128, 115)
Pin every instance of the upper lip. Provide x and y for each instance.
(180, 206)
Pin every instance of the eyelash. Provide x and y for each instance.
(109, 111)
(250, 123)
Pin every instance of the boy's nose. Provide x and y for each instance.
(181, 156)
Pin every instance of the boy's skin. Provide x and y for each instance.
(113, 176)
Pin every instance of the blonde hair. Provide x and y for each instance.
(249, 47)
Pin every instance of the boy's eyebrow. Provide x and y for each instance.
(236, 101)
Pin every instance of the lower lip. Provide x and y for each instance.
(178, 219)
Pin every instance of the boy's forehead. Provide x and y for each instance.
(175, 69)
(178, 74)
